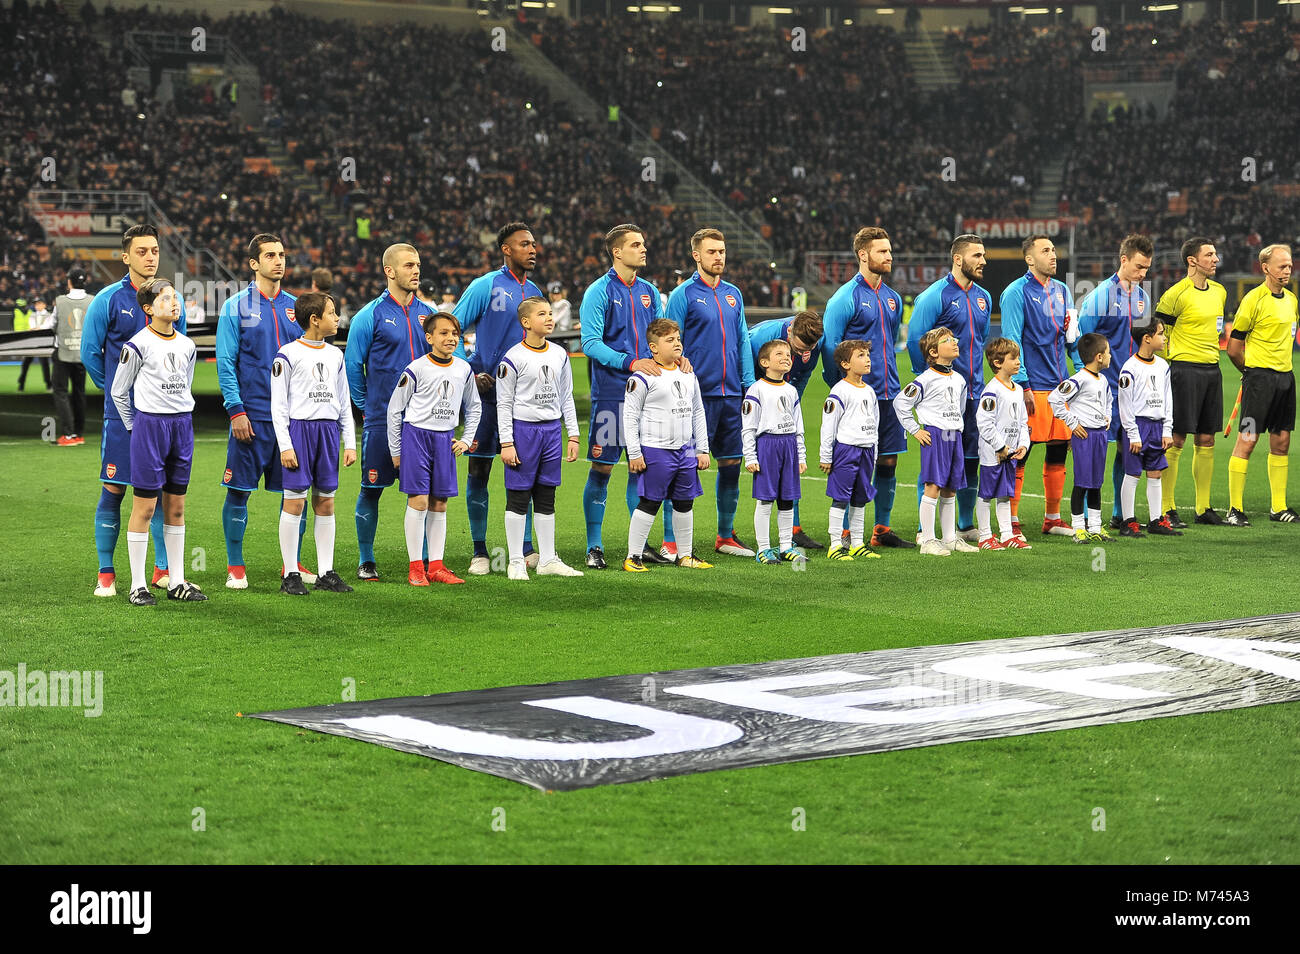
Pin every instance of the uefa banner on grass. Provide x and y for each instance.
(582, 733)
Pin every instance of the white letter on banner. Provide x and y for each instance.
(671, 732)
(1082, 680)
(1242, 652)
(841, 706)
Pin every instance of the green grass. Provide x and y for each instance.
(1213, 788)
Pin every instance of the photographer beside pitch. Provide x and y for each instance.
(1263, 334)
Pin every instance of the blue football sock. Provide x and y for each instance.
(966, 497)
(159, 541)
(108, 525)
(669, 537)
(1117, 478)
(528, 529)
(797, 524)
(367, 515)
(476, 504)
(633, 494)
(593, 505)
(728, 499)
(234, 521)
(885, 481)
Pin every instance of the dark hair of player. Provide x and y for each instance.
(844, 350)
(1091, 345)
(148, 293)
(807, 327)
(1144, 331)
(962, 242)
(930, 341)
(1033, 240)
(509, 229)
(866, 235)
(530, 305)
(661, 328)
(260, 239)
(309, 305)
(617, 235)
(135, 232)
(1135, 244)
(1192, 247)
(431, 321)
(322, 278)
(703, 234)
(765, 352)
(997, 349)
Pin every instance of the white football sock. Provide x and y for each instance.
(837, 523)
(929, 506)
(785, 528)
(1155, 499)
(515, 534)
(289, 541)
(435, 530)
(1004, 518)
(638, 530)
(683, 531)
(137, 548)
(1094, 520)
(1128, 497)
(414, 527)
(544, 528)
(857, 526)
(174, 542)
(984, 517)
(323, 528)
(947, 510)
(763, 525)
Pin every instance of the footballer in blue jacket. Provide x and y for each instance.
(715, 339)
(490, 309)
(251, 329)
(616, 311)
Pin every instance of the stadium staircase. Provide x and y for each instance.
(744, 241)
(301, 181)
(930, 68)
(1044, 203)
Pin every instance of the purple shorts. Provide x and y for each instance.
(943, 462)
(162, 448)
(540, 451)
(1089, 455)
(1152, 454)
(428, 465)
(998, 480)
(778, 467)
(850, 476)
(316, 444)
(669, 474)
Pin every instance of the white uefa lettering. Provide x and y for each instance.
(1251, 653)
(844, 706)
(671, 732)
(1081, 680)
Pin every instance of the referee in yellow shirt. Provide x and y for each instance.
(1192, 310)
(1260, 346)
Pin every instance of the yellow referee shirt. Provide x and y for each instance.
(1268, 322)
(1198, 316)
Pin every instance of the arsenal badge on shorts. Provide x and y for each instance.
(372, 476)
(111, 470)
(226, 477)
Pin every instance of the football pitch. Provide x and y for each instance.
(170, 772)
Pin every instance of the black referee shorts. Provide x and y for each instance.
(1198, 397)
(1267, 401)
